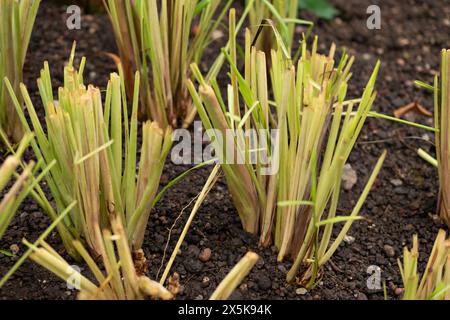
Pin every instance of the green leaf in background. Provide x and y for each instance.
(6, 253)
(321, 8)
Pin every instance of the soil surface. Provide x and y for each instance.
(402, 203)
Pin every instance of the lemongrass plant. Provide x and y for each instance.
(270, 157)
(121, 281)
(161, 39)
(16, 24)
(95, 146)
(441, 128)
(284, 16)
(442, 133)
(435, 282)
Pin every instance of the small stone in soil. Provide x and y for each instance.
(193, 265)
(282, 268)
(14, 249)
(389, 250)
(205, 282)
(349, 239)
(349, 177)
(205, 255)
(361, 296)
(301, 291)
(396, 182)
(399, 291)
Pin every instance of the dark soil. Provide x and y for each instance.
(402, 203)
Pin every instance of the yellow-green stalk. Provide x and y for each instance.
(435, 282)
(442, 116)
(19, 189)
(235, 277)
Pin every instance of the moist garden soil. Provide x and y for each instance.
(402, 202)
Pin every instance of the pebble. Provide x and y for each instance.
(260, 263)
(396, 182)
(408, 227)
(37, 215)
(361, 296)
(205, 255)
(399, 291)
(389, 250)
(193, 250)
(301, 291)
(367, 56)
(205, 282)
(193, 265)
(14, 249)
(282, 268)
(426, 137)
(264, 283)
(349, 177)
(349, 239)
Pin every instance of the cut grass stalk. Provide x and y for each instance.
(16, 24)
(306, 125)
(435, 282)
(157, 36)
(235, 277)
(201, 197)
(96, 158)
(428, 158)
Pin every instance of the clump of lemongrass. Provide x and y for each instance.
(277, 192)
(161, 39)
(442, 133)
(18, 191)
(435, 282)
(441, 89)
(281, 14)
(16, 24)
(119, 281)
(95, 147)
(235, 277)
